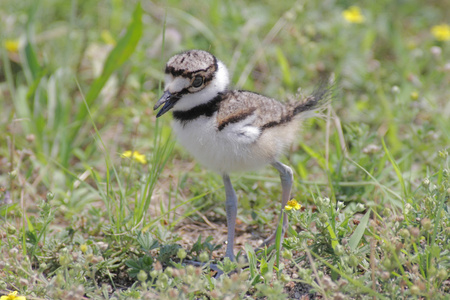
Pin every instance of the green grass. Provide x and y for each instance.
(373, 176)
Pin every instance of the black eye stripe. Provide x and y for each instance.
(183, 92)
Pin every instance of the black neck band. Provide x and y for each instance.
(207, 109)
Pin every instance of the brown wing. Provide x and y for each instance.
(239, 105)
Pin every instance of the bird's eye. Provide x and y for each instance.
(198, 81)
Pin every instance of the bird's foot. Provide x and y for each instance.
(227, 266)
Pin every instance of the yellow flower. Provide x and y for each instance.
(353, 15)
(292, 204)
(13, 296)
(127, 154)
(441, 32)
(83, 248)
(140, 158)
(108, 38)
(12, 45)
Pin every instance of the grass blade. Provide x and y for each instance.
(124, 48)
(396, 168)
(320, 159)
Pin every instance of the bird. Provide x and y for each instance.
(229, 130)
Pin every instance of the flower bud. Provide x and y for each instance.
(442, 274)
(173, 293)
(323, 217)
(404, 233)
(360, 207)
(13, 174)
(426, 224)
(285, 278)
(385, 275)
(443, 153)
(142, 276)
(181, 254)
(414, 231)
(353, 261)
(415, 290)
(154, 274)
(11, 229)
(169, 271)
(286, 254)
(190, 269)
(203, 257)
(64, 259)
(339, 250)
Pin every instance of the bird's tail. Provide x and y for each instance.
(319, 99)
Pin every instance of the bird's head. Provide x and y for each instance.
(192, 78)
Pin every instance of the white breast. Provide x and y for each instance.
(225, 151)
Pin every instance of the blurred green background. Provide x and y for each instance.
(391, 61)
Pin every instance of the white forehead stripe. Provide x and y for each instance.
(174, 85)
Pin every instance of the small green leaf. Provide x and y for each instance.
(359, 232)
(32, 60)
(284, 65)
(252, 264)
(147, 261)
(333, 237)
(6, 209)
(263, 267)
(147, 242)
(320, 159)
(131, 263)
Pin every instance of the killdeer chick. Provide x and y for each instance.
(230, 130)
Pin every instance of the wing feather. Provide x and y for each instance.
(240, 105)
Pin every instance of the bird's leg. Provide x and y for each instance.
(231, 207)
(287, 178)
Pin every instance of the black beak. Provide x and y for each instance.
(168, 100)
